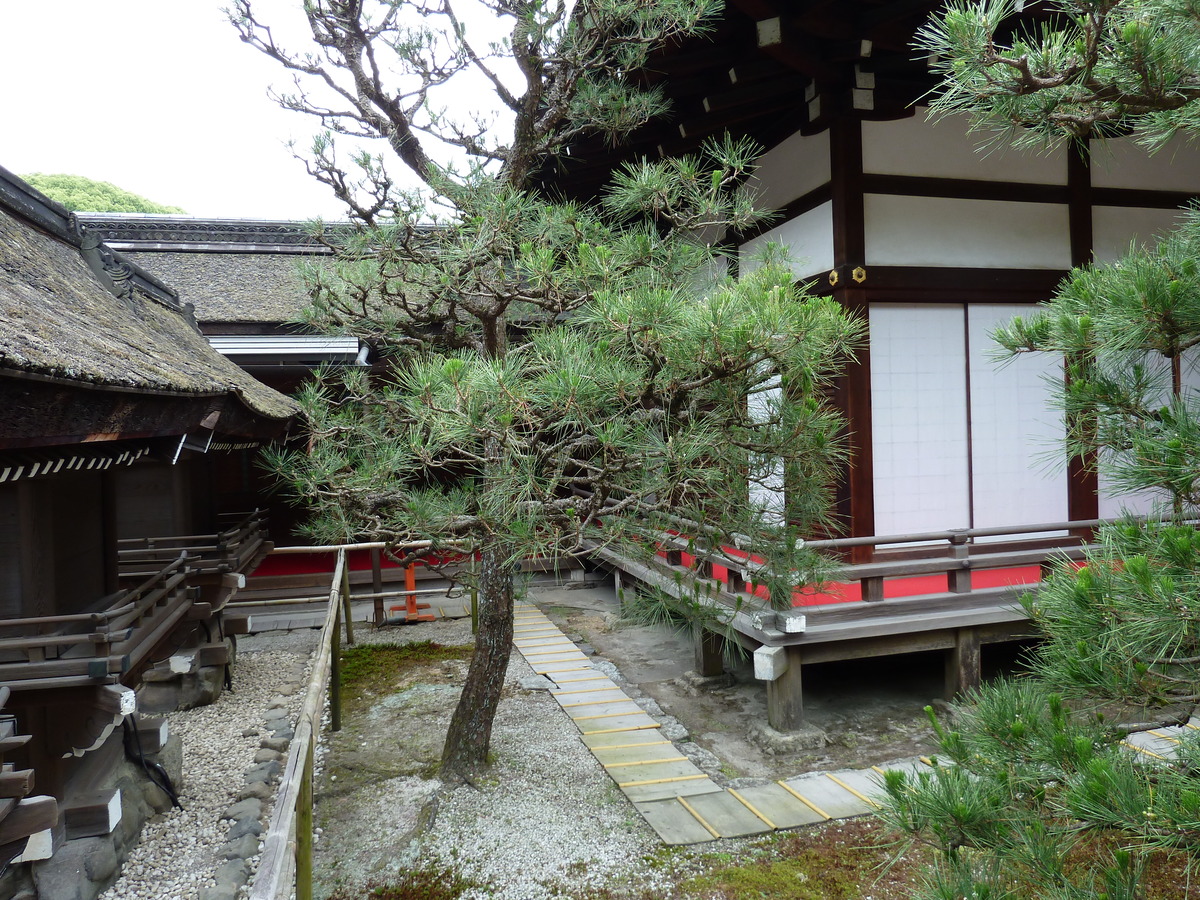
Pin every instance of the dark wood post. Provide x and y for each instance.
(785, 696)
(963, 663)
(709, 661)
(958, 581)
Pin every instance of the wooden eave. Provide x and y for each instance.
(755, 74)
(44, 412)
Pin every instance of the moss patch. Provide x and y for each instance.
(848, 860)
(430, 883)
(370, 670)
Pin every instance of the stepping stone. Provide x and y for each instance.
(689, 788)
(575, 679)
(618, 739)
(603, 709)
(860, 782)
(573, 698)
(638, 755)
(674, 824)
(572, 665)
(624, 722)
(726, 814)
(911, 767)
(666, 771)
(596, 684)
(1150, 747)
(780, 806)
(829, 797)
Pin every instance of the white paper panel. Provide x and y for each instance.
(939, 231)
(1123, 164)
(944, 149)
(1018, 468)
(919, 417)
(809, 239)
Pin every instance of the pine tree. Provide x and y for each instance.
(1035, 795)
(557, 373)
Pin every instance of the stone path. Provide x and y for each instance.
(675, 797)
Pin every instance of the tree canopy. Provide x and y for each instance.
(555, 374)
(1036, 794)
(80, 194)
(1086, 68)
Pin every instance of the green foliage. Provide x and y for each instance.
(85, 195)
(1093, 67)
(555, 374)
(1127, 624)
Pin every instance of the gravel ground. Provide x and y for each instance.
(177, 854)
(545, 817)
(545, 814)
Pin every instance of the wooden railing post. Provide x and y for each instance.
(304, 825)
(335, 658)
(345, 598)
(958, 581)
(377, 584)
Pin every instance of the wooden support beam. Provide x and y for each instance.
(963, 663)
(785, 695)
(709, 660)
(92, 814)
(16, 783)
(872, 589)
(30, 816)
(212, 655)
(958, 581)
(153, 732)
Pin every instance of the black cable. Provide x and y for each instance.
(154, 771)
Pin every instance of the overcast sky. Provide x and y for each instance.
(159, 97)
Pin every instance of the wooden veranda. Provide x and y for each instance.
(985, 571)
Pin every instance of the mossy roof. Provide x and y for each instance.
(57, 319)
(232, 287)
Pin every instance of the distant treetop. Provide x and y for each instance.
(80, 194)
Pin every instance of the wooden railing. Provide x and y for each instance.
(285, 866)
(955, 553)
(229, 550)
(94, 647)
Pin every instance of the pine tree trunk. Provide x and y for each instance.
(470, 732)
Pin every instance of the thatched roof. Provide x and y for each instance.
(232, 287)
(72, 311)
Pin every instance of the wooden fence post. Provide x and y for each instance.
(304, 825)
(345, 598)
(335, 671)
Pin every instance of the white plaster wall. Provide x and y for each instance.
(791, 169)
(808, 239)
(919, 417)
(1123, 164)
(938, 231)
(1018, 471)
(944, 149)
(1114, 227)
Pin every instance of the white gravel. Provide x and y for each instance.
(544, 817)
(177, 854)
